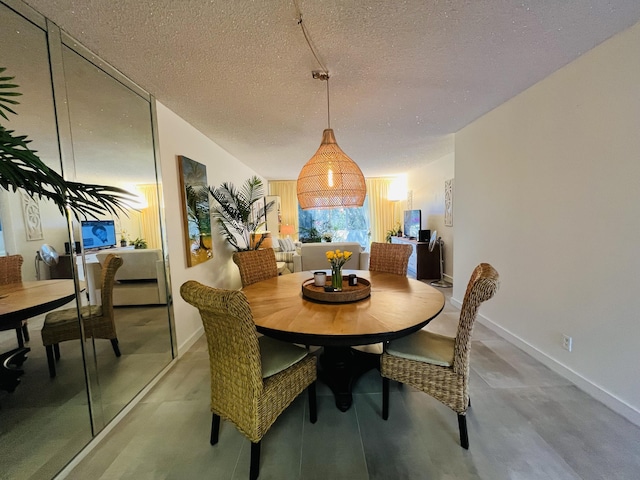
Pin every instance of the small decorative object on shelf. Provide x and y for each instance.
(337, 259)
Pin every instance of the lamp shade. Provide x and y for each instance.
(330, 179)
(287, 230)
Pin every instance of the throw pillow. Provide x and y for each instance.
(287, 245)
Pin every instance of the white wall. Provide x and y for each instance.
(548, 191)
(427, 184)
(177, 137)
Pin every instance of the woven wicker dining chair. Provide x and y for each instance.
(11, 272)
(98, 320)
(256, 265)
(253, 379)
(436, 364)
(390, 257)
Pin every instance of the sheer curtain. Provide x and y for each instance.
(381, 210)
(150, 216)
(286, 190)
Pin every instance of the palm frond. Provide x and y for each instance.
(3, 94)
(20, 167)
(236, 213)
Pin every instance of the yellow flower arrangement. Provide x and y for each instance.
(338, 258)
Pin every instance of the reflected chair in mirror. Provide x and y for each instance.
(11, 272)
(253, 379)
(97, 320)
(390, 257)
(256, 265)
(436, 364)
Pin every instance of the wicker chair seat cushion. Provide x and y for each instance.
(70, 315)
(424, 346)
(277, 356)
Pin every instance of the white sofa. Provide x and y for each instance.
(312, 256)
(140, 280)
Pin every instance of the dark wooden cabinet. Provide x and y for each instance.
(423, 264)
(63, 269)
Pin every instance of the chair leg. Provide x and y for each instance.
(51, 361)
(20, 337)
(56, 351)
(313, 404)
(116, 348)
(215, 428)
(385, 398)
(255, 461)
(464, 437)
(25, 332)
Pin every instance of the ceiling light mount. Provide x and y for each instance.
(320, 75)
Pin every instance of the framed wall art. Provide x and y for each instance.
(196, 216)
(448, 203)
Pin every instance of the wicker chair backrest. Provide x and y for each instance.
(390, 257)
(109, 268)
(11, 269)
(483, 285)
(234, 352)
(256, 265)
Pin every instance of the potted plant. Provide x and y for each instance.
(139, 244)
(309, 235)
(239, 213)
(20, 167)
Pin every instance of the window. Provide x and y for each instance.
(336, 224)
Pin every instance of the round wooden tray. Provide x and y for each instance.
(348, 294)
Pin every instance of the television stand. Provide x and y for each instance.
(423, 264)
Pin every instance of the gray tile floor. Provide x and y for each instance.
(526, 422)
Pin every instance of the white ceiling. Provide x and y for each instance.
(405, 75)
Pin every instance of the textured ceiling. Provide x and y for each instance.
(405, 75)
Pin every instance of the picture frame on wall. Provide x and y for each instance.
(196, 211)
(448, 203)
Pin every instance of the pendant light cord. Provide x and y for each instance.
(307, 37)
(316, 55)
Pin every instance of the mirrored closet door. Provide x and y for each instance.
(99, 130)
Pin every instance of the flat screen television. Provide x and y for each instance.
(97, 234)
(412, 223)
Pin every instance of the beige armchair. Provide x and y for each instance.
(312, 256)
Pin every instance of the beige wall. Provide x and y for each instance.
(427, 185)
(548, 191)
(177, 137)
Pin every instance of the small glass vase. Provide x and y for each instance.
(336, 278)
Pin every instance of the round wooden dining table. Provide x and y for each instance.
(20, 301)
(397, 306)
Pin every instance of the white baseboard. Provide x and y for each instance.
(188, 343)
(610, 400)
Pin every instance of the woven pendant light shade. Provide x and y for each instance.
(330, 179)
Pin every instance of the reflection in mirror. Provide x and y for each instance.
(43, 423)
(46, 421)
(113, 145)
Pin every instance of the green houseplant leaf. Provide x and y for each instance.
(20, 167)
(238, 213)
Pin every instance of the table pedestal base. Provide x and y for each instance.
(10, 371)
(340, 368)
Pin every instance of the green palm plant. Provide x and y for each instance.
(237, 214)
(20, 167)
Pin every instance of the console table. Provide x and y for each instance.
(423, 264)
